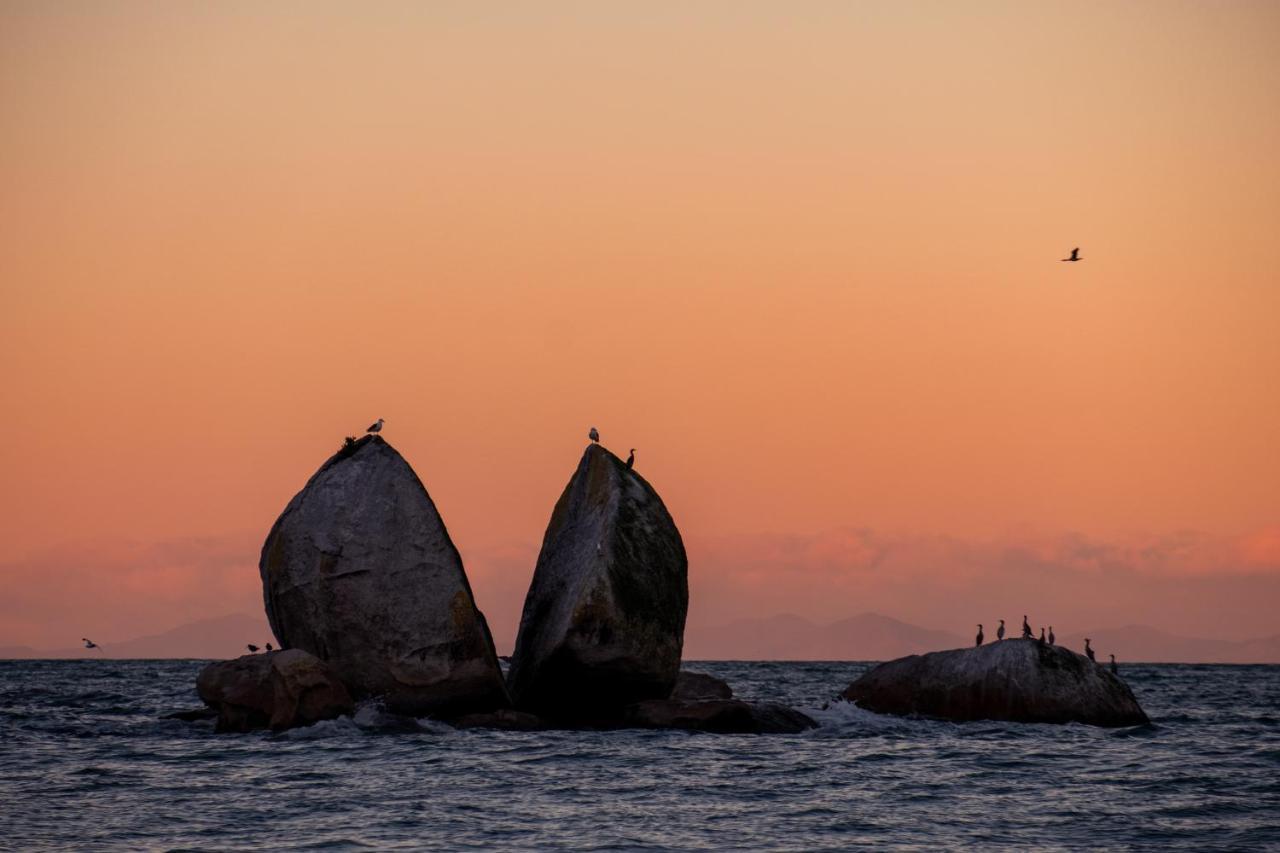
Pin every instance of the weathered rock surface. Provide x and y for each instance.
(504, 718)
(1016, 680)
(276, 690)
(603, 622)
(360, 571)
(725, 716)
(700, 687)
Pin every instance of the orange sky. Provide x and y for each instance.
(803, 258)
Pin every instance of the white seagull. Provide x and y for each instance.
(594, 435)
(376, 427)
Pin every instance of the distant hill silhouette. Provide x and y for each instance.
(868, 636)
(221, 637)
(1151, 645)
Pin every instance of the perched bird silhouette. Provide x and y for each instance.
(1026, 628)
(269, 647)
(1114, 668)
(978, 640)
(1088, 650)
(89, 644)
(1051, 635)
(631, 460)
(1000, 631)
(376, 427)
(252, 648)
(1041, 640)
(1075, 255)
(594, 435)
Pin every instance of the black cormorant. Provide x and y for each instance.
(1000, 631)
(1051, 635)
(1041, 640)
(1075, 255)
(631, 460)
(978, 640)
(594, 435)
(1114, 668)
(1088, 650)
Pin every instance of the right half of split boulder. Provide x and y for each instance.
(603, 622)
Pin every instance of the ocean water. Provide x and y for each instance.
(86, 764)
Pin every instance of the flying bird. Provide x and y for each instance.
(1075, 255)
(89, 644)
(1000, 631)
(377, 427)
(594, 435)
(252, 648)
(978, 640)
(631, 460)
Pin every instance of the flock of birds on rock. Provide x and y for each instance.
(253, 650)
(593, 433)
(1042, 640)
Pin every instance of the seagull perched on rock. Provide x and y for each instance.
(631, 460)
(1026, 628)
(594, 435)
(1075, 255)
(377, 427)
(89, 644)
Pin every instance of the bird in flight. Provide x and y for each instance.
(1075, 255)
(377, 427)
(594, 435)
(89, 644)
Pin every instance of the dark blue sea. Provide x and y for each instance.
(86, 763)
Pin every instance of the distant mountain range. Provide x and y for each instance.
(868, 636)
(221, 637)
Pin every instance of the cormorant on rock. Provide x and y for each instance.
(1000, 631)
(1026, 628)
(1114, 668)
(89, 644)
(269, 647)
(631, 460)
(978, 640)
(1041, 641)
(594, 435)
(376, 427)
(1051, 635)
(1075, 255)
(1088, 650)
(252, 648)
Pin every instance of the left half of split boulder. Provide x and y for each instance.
(360, 571)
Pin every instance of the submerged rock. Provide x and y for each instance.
(603, 622)
(276, 690)
(1016, 680)
(725, 716)
(360, 571)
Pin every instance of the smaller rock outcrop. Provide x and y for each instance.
(603, 622)
(700, 687)
(1015, 680)
(277, 690)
